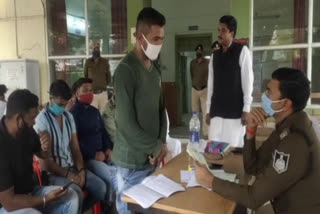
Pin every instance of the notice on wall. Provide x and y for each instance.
(12, 75)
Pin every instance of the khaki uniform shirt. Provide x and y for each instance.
(287, 170)
(99, 73)
(199, 73)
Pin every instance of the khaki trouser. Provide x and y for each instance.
(199, 99)
(100, 100)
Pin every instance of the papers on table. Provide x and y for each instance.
(190, 178)
(192, 182)
(152, 189)
(196, 155)
(185, 175)
(220, 173)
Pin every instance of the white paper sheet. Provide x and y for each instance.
(220, 173)
(193, 182)
(185, 176)
(196, 155)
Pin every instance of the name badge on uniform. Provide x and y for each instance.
(284, 134)
(280, 161)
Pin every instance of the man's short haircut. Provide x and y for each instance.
(214, 44)
(148, 17)
(199, 47)
(60, 88)
(21, 101)
(79, 83)
(231, 23)
(3, 90)
(294, 85)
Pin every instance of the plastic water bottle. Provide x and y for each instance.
(194, 128)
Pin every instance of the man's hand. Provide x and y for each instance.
(55, 194)
(152, 160)
(108, 154)
(244, 118)
(162, 155)
(203, 176)
(74, 178)
(208, 119)
(100, 156)
(82, 176)
(256, 117)
(45, 140)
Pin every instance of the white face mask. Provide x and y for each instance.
(152, 51)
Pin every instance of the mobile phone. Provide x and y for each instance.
(237, 150)
(66, 186)
(215, 166)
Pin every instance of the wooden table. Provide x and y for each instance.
(195, 200)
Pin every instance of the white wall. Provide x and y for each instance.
(22, 34)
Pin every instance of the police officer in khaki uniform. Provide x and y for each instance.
(98, 69)
(199, 78)
(287, 165)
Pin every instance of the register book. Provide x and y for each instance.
(153, 188)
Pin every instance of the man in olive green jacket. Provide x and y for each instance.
(140, 117)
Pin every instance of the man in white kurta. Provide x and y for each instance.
(230, 85)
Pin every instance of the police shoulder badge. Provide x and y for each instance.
(280, 161)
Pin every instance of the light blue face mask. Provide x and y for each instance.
(267, 105)
(56, 109)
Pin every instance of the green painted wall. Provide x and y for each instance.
(133, 8)
(182, 13)
(240, 9)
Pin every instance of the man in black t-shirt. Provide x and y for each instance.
(18, 144)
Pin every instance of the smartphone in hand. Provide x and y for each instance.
(66, 186)
(215, 166)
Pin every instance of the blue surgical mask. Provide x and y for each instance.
(56, 109)
(267, 105)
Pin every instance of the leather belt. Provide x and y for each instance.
(199, 89)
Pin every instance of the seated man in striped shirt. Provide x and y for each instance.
(66, 163)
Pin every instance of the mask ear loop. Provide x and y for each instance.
(145, 39)
(278, 101)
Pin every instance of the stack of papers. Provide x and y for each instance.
(196, 155)
(152, 189)
(189, 177)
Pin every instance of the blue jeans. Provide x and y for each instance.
(94, 186)
(104, 171)
(124, 179)
(68, 204)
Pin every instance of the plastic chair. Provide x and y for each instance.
(36, 168)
